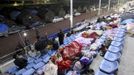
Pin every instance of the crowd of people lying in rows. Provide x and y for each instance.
(43, 44)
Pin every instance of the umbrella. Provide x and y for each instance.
(127, 21)
(3, 27)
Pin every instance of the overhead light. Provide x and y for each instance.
(24, 34)
(15, 4)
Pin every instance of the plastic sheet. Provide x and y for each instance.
(3, 28)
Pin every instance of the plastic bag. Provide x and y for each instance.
(85, 60)
(77, 66)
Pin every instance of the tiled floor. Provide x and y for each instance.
(127, 60)
(126, 66)
(96, 62)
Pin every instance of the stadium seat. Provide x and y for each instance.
(112, 56)
(114, 49)
(117, 44)
(40, 71)
(30, 60)
(12, 70)
(29, 72)
(109, 67)
(38, 60)
(119, 35)
(118, 39)
(66, 30)
(38, 65)
(20, 72)
(54, 35)
(51, 52)
(30, 65)
(72, 37)
(67, 41)
(46, 59)
(102, 73)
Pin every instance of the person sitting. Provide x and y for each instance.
(55, 44)
(19, 61)
(61, 36)
(103, 50)
(68, 34)
(33, 53)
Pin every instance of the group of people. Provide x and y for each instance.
(39, 48)
(43, 44)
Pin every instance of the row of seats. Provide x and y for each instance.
(33, 64)
(101, 40)
(36, 64)
(110, 63)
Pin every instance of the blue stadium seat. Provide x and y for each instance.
(119, 35)
(118, 39)
(72, 37)
(109, 67)
(102, 41)
(120, 32)
(30, 65)
(66, 30)
(12, 70)
(38, 65)
(54, 35)
(46, 59)
(38, 60)
(121, 29)
(54, 52)
(66, 41)
(69, 39)
(51, 52)
(102, 73)
(114, 49)
(112, 56)
(71, 73)
(30, 60)
(20, 72)
(117, 44)
(29, 72)
(103, 37)
(40, 71)
(44, 56)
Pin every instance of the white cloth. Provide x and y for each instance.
(32, 53)
(93, 46)
(84, 41)
(81, 27)
(98, 25)
(50, 69)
